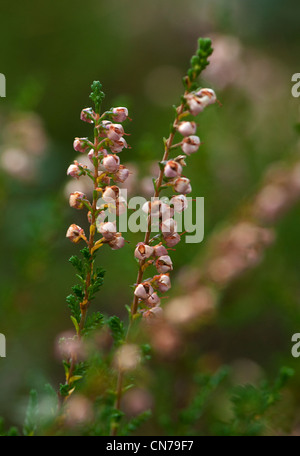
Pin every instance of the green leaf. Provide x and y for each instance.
(78, 291)
(86, 253)
(77, 263)
(74, 306)
(75, 323)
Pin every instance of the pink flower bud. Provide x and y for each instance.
(75, 200)
(153, 300)
(179, 202)
(122, 174)
(172, 239)
(163, 282)
(74, 171)
(75, 233)
(172, 169)
(182, 185)
(115, 132)
(187, 128)
(208, 95)
(120, 114)
(143, 251)
(190, 144)
(143, 290)
(118, 145)
(88, 115)
(111, 163)
(168, 226)
(197, 101)
(164, 264)
(195, 104)
(117, 242)
(160, 250)
(81, 145)
(111, 193)
(108, 230)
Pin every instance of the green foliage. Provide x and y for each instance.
(64, 389)
(77, 263)
(93, 322)
(73, 304)
(86, 254)
(251, 405)
(31, 417)
(135, 423)
(11, 432)
(199, 62)
(97, 95)
(117, 329)
(206, 384)
(96, 283)
(146, 351)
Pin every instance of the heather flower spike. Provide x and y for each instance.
(194, 101)
(105, 167)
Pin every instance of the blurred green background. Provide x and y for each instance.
(139, 50)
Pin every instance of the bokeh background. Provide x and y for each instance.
(139, 50)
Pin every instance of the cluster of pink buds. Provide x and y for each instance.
(148, 292)
(106, 171)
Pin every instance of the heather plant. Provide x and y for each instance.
(105, 174)
(104, 356)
